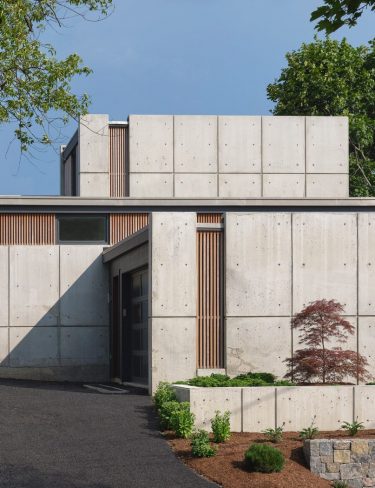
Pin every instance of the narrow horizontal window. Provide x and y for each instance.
(82, 228)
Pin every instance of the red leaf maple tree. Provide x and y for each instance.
(319, 323)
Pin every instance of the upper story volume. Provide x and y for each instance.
(207, 157)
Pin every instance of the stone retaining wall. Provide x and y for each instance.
(352, 461)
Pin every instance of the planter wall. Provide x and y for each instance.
(258, 408)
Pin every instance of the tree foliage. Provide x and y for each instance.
(337, 13)
(34, 84)
(328, 77)
(319, 323)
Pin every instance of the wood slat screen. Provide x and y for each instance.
(210, 323)
(117, 161)
(124, 225)
(209, 218)
(27, 229)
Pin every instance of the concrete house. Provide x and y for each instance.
(182, 245)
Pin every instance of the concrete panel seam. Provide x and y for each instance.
(357, 320)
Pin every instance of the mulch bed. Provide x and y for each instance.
(227, 468)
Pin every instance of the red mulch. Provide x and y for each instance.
(228, 470)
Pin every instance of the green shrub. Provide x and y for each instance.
(266, 377)
(247, 379)
(264, 459)
(182, 421)
(166, 412)
(340, 484)
(309, 432)
(274, 435)
(200, 444)
(220, 425)
(352, 428)
(164, 393)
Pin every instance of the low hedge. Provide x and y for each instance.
(247, 379)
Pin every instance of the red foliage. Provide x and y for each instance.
(319, 323)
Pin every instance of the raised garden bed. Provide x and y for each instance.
(228, 470)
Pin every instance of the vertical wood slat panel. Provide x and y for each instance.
(27, 229)
(210, 320)
(124, 225)
(117, 157)
(209, 218)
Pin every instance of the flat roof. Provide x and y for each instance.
(52, 204)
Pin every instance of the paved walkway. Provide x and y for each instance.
(64, 436)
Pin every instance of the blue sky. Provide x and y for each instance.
(177, 57)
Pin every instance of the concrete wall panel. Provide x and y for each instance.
(249, 347)
(33, 346)
(94, 185)
(258, 409)
(4, 279)
(151, 143)
(283, 144)
(4, 346)
(173, 349)
(195, 143)
(83, 286)
(34, 285)
(327, 186)
(297, 406)
(174, 287)
(366, 263)
(205, 401)
(284, 185)
(84, 345)
(240, 186)
(94, 144)
(196, 185)
(240, 141)
(364, 401)
(258, 264)
(327, 145)
(366, 341)
(151, 185)
(325, 259)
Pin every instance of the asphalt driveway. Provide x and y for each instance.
(65, 436)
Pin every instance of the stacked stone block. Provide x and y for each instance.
(352, 461)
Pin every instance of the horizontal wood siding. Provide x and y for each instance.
(209, 218)
(210, 323)
(124, 225)
(27, 229)
(117, 161)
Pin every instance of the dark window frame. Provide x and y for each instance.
(82, 215)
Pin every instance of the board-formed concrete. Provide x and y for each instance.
(326, 151)
(195, 143)
(252, 341)
(93, 144)
(366, 263)
(83, 286)
(240, 185)
(258, 408)
(327, 186)
(283, 144)
(151, 143)
(325, 259)
(151, 185)
(195, 185)
(284, 185)
(240, 144)
(84, 345)
(173, 241)
(173, 355)
(34, 285)
(33, 346)
(4, 277)
(258, 264)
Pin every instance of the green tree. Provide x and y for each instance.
(328, 77)
(336, 13)
(35, 86)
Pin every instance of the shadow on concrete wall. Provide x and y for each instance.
(63, 339)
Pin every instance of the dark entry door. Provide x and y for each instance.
(136, 327)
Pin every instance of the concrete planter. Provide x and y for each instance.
(254, 409)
